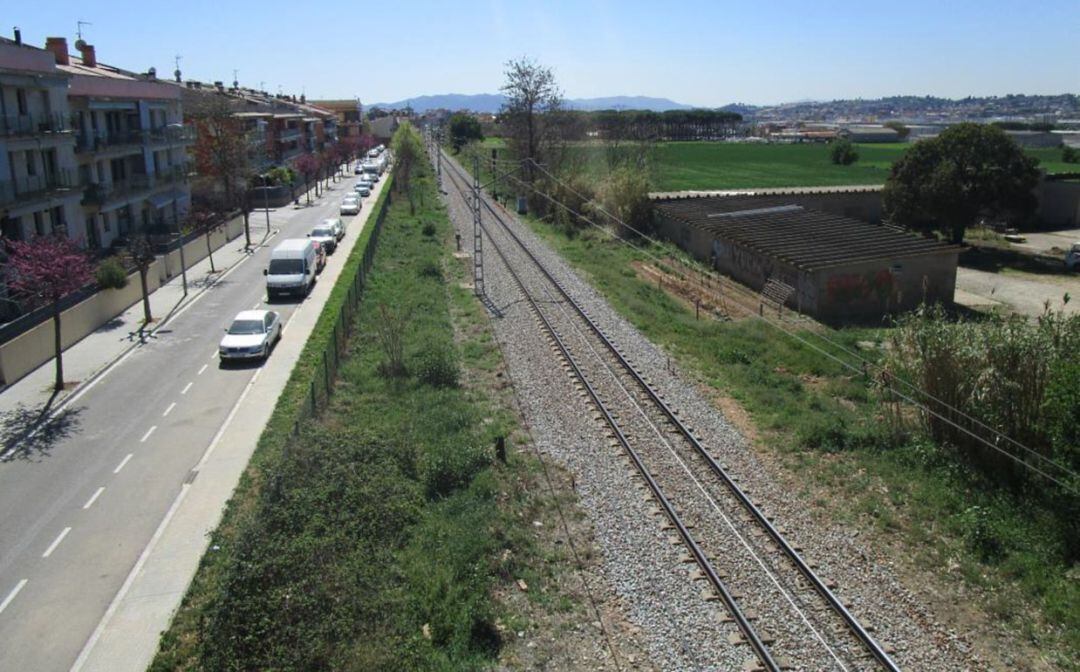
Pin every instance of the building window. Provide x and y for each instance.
(31, 165)
(20, 99)
(10, 228)
(39, 223)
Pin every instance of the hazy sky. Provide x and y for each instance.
(706, 53)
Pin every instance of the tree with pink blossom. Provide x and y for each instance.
(308, 166)
(42, 272)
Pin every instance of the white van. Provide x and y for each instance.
(292, 268)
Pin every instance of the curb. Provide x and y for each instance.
(7, 452)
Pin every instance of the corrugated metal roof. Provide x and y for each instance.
(804, 238)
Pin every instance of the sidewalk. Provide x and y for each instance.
(31, 400)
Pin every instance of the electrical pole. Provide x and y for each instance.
(478, 243)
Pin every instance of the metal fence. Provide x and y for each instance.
(320, 386)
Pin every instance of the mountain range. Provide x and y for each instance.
(492, 102)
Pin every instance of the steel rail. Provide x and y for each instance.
(761, 650)
(804, 568)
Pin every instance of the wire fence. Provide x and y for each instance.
(320, 386)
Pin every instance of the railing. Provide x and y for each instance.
(100, 193)
(171, 134)
(171, 174)
(98, 140)
(33, 124)
(31, 187)
(289, 134)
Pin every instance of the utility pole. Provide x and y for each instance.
(438, 157)
(478, 243)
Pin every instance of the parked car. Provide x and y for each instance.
(350, 206)
(251, 335)
(1072, 258)
(359, 169)
(362, 188)
(339, 226)
(325, 236)
(320, 257)
(292, 268)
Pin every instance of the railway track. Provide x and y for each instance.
(789, 616)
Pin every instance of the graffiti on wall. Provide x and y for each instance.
(859, 286)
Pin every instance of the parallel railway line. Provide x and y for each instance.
(786, 613)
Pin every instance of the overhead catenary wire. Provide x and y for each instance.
(1019, 460)
(825, 338)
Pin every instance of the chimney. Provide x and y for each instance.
(58, 47)
(176, 74)
(89, 58)
(18, 36)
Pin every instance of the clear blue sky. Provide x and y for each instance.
(701, 52)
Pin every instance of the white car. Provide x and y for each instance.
(337, 225)
(362, 188)
(350, 206)
(251, 335)
(326, 236)
(1072, 258)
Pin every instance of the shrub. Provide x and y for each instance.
(430, 269)
(1070, 154)
(625, 194)
(438, 367)
(429, 229)
(111, 274)
(390, 331)
(842, 152)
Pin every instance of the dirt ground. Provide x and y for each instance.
(1016, 291)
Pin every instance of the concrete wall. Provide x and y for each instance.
(26, 352)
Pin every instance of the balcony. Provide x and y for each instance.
(96, 141)
(100, 193)
(173, 134)
(33, 124)
(287, 134)
(36, 187)
(173, 174)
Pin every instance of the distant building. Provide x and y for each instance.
(1035, 139)
(349, 116)
(870, 134)
(839, 269)
(383, 128)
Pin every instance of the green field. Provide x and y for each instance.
(714, 165)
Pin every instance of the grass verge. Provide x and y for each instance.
(378, 537)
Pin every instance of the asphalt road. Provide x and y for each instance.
(77, 513)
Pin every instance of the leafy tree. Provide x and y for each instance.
(464, 128)
(408, 149)
(43, 271)
(222, 150)
(842, 152)
(308, 165)
(1070, 154)
(902, 131)
(970, 170)
(531, 91)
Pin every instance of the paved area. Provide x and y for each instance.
(106, 511)
(1015, 292)
(1046, 242)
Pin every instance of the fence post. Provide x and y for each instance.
(326, 374)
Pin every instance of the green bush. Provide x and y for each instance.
(111, 274)
(429, 229)
(438, 367)
(842, 152)
(431, 269)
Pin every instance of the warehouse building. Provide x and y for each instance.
(838, 269)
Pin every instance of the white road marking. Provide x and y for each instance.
(147, 434)
(55, 543)
(257, 304)
(169, 409)
(122, 463)
(115, 604)
(186, 388)
(202, 369)
(93, 498)
(214, 353)
(228, 420)
(11, 596)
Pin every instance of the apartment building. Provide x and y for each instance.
(130, 149)
(86, 148)
(39, 188)
(347, 116)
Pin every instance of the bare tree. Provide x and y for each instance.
(141, 253)
(531, 95)
(222, 149)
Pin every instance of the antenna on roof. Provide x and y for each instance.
(235, 79)
(176, 73)
(78, 27)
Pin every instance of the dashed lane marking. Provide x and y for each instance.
(147, 434)
(55, 543)
(122, 463)
(11, 596)
(93, 498)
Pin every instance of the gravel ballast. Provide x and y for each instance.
(680, 629)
